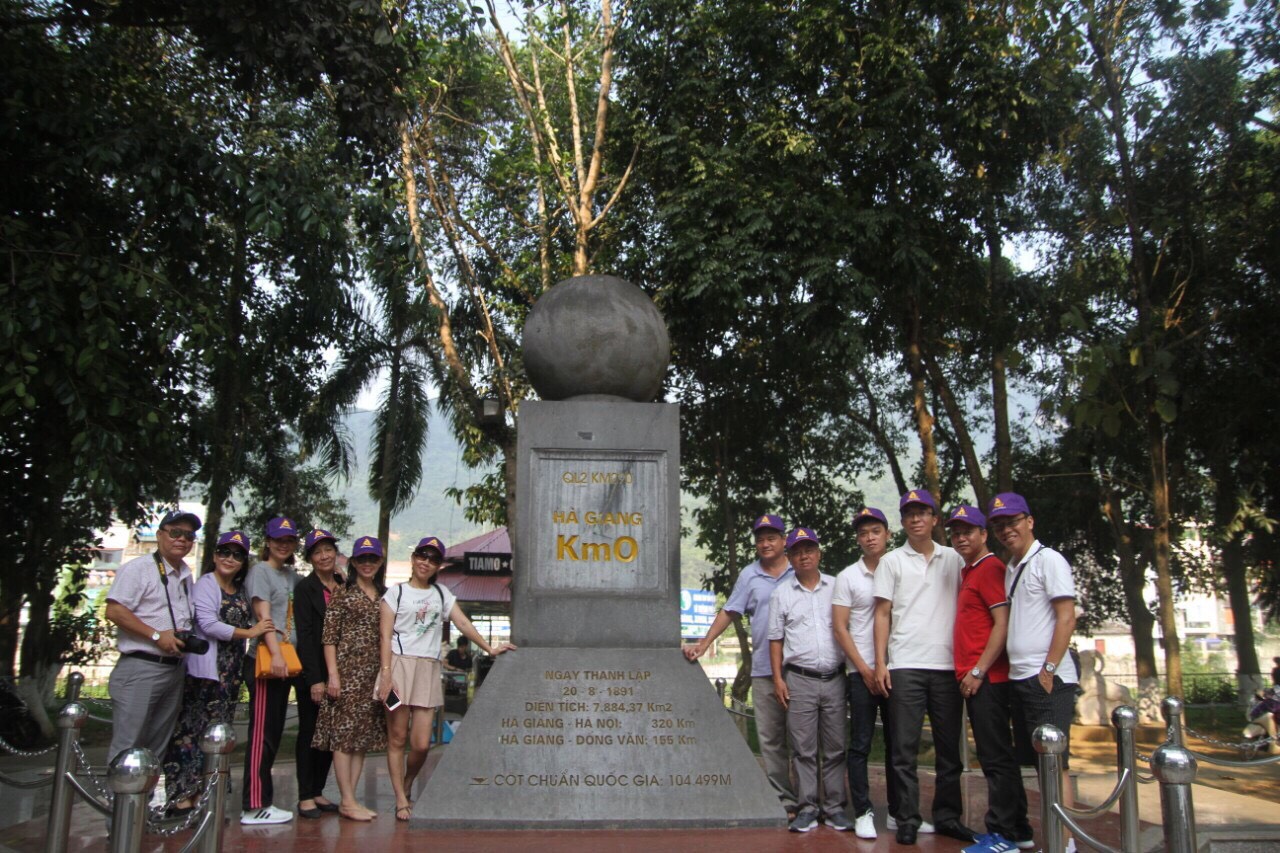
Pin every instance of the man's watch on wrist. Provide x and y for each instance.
(1050, 668)
(976, 672)
(155, 636)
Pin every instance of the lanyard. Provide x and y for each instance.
(1018, 576)
(164, 582)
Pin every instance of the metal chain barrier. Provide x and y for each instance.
(26, 753)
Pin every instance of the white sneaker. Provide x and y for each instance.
(865, 826)
(1071, 845)
(270, 814)
(925, 827)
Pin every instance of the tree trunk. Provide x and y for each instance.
(1141, 620)
(389, 453)
(36, 642)
(9, 616)
(999, 377)
(963, 440)
(1163, 557)
(920, 402)
(1248, 667)
(871, 423)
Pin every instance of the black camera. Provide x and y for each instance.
(192, 644)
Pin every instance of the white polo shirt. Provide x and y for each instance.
(924, 605)
(856, 590)
(801, 618)
(1045, 578)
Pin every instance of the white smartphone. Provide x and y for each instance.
(393, 701)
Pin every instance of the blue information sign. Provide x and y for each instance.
(697, 612)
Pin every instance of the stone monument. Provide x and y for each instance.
(597, 720)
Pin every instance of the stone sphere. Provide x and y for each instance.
(596, 337)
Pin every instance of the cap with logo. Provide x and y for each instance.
(234, 537)
(315, 537)
(281, 528)
(869, 513)
(432, 542)
(966, 514)
(366, 545)
(801, 534)
(918, 496)
(174, 516)
(1008, 503)
(769, 522)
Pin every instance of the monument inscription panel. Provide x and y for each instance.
(596, 527)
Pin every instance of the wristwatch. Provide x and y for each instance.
(976, 672)
(1050, 668)
(155, 636)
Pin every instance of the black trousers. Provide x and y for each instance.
(863, 706)
(915, 692)
(991, 717)
(268, 706)
(313, 764)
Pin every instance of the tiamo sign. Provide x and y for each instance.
(486, 563)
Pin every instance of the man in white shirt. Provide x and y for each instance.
(853, 607)
(750, 598)
(915, 589)
(808, 679)
(1042, 617)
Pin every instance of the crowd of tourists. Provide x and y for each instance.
(922, 629)
(361, 659)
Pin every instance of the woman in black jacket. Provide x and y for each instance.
(310, 599)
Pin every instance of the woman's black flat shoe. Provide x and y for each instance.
(327, 807)
(311, 812)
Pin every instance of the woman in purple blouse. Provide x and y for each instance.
(212, 688)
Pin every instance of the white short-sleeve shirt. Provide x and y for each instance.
(856, 590)
(420, 615)
(1045, 578)
(923, 594)
(801, 618)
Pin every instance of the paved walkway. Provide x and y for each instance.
(1222, 814)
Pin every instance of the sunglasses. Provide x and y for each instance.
(367, 558)
(234, 553)
(189, 535)
(429, 555)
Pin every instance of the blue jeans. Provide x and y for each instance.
(863, 705)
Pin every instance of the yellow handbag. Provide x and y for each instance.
(262, 666)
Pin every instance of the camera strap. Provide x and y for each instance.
(164, 582)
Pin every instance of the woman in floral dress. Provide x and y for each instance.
(352, 722)
(212, 687)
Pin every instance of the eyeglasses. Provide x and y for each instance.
(179, 533)
(1005, 523)
(429, 555)
(234, 553)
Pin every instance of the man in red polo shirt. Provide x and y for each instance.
(982, 668)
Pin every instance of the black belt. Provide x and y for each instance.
(813, 673)
(154, 658)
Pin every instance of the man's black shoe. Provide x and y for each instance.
(955, 829)
(906, 834)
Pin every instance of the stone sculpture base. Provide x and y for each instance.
(571, 738)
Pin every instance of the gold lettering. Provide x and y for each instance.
(596, 551)
(564, 547)
(632, 549)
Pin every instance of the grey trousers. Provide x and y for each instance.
(914, 692)
(145, 700)
(816, 725)
(771, 731)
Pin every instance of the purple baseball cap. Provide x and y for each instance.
(769, 522)
(281, 528)
(966, 514)
(801, 534)
(1008, 503)
(366, 545)
(234, 537)
(432, 542)
(176, 515)
(317, 536)
(918, 496)
(869, 513)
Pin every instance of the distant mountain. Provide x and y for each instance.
(432, 512)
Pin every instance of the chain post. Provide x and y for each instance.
(70, 721)
(1175, 768)
(74, 682)
(133, 776)
(1125, 719)
(1050, 743)
(720, 685)
(1172, 708)
(217, 744)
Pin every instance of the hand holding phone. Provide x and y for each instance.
(393, 700)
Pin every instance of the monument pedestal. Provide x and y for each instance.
(567, 738)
